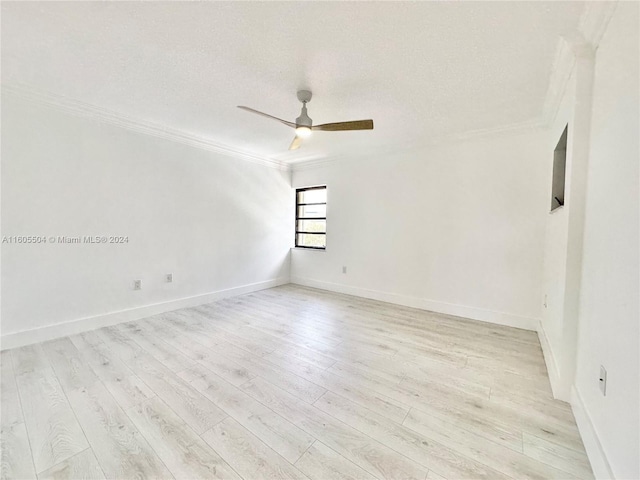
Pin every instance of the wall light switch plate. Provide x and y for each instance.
(137, 284)
(344, 269)
(169, 277)
(602, 381)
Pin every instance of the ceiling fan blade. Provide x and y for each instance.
(297, 141)
(289, 124)
(338, 126)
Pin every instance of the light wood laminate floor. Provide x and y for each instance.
(289, 382)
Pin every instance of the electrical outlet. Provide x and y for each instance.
(137, 284)
(602, 381)
(344, 269)
(169, 277)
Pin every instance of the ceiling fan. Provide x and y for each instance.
(304, 125)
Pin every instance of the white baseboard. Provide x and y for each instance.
(490, 316)
(559, 391)
(42, 334)
(599, 463)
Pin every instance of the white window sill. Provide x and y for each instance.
(556, 209)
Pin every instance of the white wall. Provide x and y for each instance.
(215, 222)
(609, 325)
(455, 228)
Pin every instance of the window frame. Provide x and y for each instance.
(297, 219)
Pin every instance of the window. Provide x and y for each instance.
(559, 167)
(311, 217)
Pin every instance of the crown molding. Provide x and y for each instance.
(100, 114)
(579, 44)
(81, 109)
(454, 139)
(595, 19)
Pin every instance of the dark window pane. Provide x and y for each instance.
(312, 226)
(307, 240)
(310, 211)
(313, 196)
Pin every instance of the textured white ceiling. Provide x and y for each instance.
(421, 70)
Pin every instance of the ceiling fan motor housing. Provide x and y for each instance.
(303, 120)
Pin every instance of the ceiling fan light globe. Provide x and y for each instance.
(303, 132)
